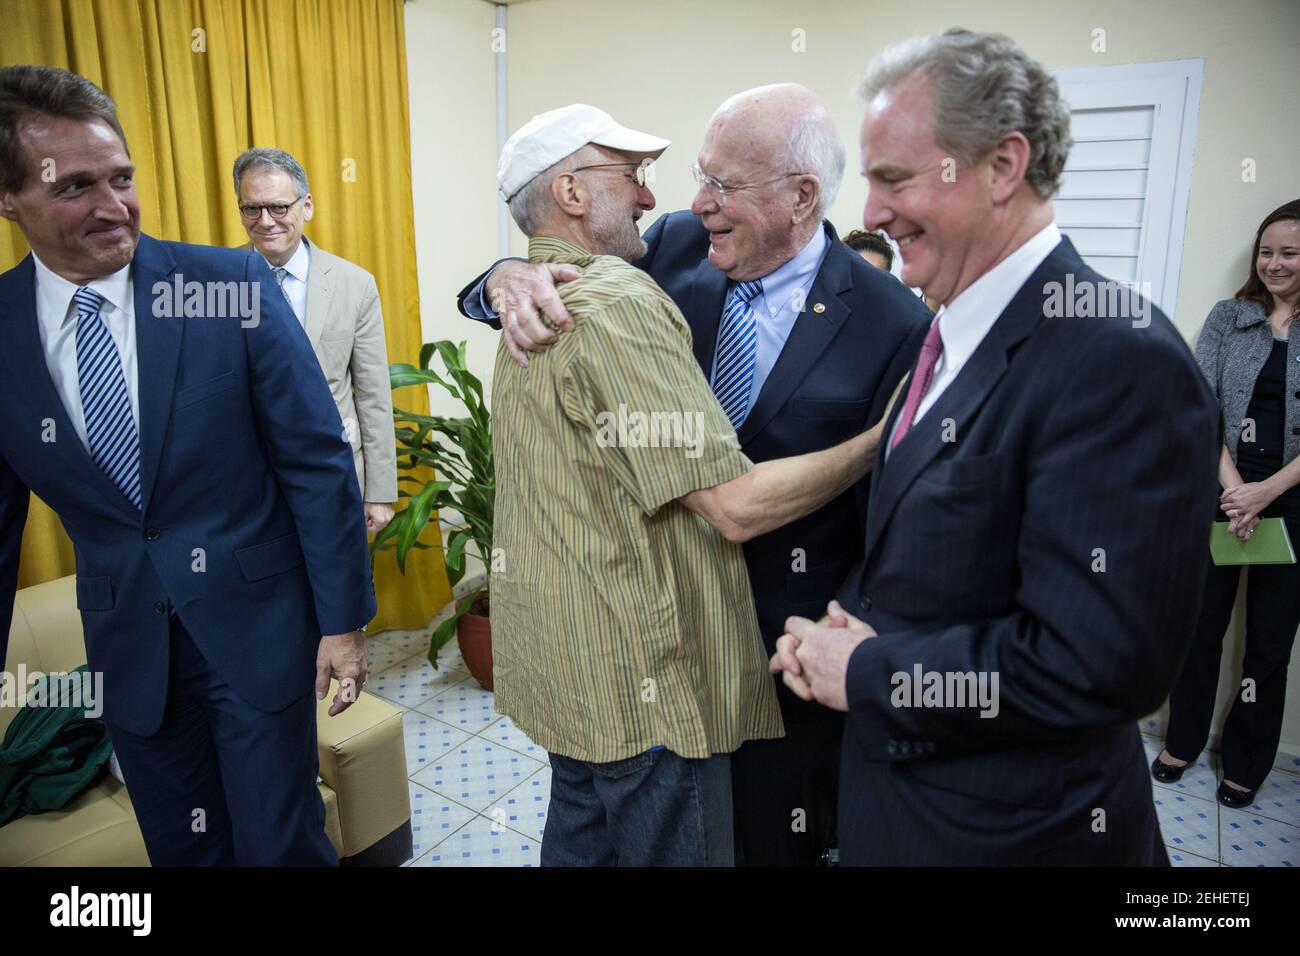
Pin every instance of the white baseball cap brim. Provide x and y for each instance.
(549, 137)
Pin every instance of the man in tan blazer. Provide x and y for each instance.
(337, 303)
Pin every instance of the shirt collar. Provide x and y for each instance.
(554, 249)
(796, 273)
(299, 263)
(56, 292)
(964, 323)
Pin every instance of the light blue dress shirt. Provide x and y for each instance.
(785, 294)
(297, 270)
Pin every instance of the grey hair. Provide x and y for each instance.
(984, 87)
(530, 207)
(262, 157)
(814, 146)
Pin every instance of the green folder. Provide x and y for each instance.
(1270, 544)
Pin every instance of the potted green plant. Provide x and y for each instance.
(446, 463)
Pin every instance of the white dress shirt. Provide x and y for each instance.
(56, 318)
(295, 280)
(967, 320)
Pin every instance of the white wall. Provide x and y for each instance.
(452, 82)
(664, 67)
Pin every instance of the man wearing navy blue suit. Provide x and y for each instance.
(828, 353)
(1029, 582)
(175, 418)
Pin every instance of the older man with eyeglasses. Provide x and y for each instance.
(337, 304)
(811, 359)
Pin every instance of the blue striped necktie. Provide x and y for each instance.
(105, 403)
(737, 351)
(280, 272)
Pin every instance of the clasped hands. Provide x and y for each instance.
(1243, 503)
(813, 657)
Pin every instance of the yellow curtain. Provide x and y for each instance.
(199, 81)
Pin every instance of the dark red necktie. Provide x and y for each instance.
(931, 349)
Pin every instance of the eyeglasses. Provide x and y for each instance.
(639, 176)
(278, 210)
(719, 190)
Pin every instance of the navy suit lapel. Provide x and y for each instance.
(878, 465)
(158, 350)
(708, 294)
(924, 441)
(962, 399)
(25, 359)
(811, 334)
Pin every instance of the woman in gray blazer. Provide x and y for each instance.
(1251, 358)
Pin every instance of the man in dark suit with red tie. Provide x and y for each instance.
(1034, 544)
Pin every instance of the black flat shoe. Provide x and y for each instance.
(1167, 773)
(1237, 799)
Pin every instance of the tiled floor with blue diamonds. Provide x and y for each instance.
(1199, 831)
(479, 787)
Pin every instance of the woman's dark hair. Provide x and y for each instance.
(863, 241)
(1254, 288)
(44, 91)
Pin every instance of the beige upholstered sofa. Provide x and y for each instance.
(362, 765)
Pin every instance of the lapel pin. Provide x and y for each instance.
(818, 308)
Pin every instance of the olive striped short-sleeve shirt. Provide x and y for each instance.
(620, 619)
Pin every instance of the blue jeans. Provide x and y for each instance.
(654, 809)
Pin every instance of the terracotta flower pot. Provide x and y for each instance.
(474, 635)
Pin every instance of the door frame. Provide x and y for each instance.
(1173, 88)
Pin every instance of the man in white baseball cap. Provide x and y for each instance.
(625, 638)
(540, 162)
(550, 137)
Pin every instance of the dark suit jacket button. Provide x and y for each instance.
(864, 602)
(891, 748)
(159, 607)
(905, 747)
(153, 534)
